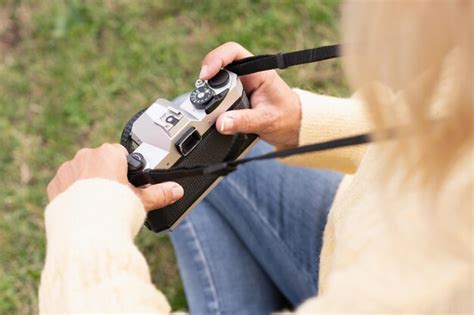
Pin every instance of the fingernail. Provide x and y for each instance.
(177, 192)
(227, 124)
(203, 72)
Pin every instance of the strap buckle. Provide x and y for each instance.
(280, 59)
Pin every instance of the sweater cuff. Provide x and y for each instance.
(326, 118)
(89, 207)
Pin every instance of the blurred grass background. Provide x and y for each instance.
(73, 72)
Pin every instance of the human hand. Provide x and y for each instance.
(275, 113)
(109, 161)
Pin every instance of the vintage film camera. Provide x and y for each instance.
(178, 134)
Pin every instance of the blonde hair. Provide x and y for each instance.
(424, 50)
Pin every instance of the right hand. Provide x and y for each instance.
(275, 113)
(109, 161)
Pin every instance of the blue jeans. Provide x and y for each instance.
(253, 245)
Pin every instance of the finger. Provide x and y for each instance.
(159, 195)
(118, 149)
(255, 120)
(114, 147)
(113, 150)
(221, 57)
(114, 156)
(82, 153)
(121, 148)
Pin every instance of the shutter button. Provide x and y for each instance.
(219, 80)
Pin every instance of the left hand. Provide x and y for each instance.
(109, 161)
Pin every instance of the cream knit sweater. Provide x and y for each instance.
(384, 250)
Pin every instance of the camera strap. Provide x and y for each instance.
(259, 63)
(221, 169)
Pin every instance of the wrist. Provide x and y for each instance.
(296, 120)
(91, 210)
(292, 123)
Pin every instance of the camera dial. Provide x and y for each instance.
(201, 96)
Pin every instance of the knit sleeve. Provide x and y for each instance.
(325, 118)
(92, 264)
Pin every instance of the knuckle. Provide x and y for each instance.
(160, 195)
(233, 45)
(120, 148)
(111, 150)
(62, 168)
(107, 146)
(214, 54)
(220, 53)
(245, 122)
(82, 152)
(49, 188)
(268, 120)
(214, 57)
(166, 195)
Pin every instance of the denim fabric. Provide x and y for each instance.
(253, 245)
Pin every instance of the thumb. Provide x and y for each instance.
(159, 195)
(243, 120)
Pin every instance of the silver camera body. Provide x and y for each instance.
(173, 134)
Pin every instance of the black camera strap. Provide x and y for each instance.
(221, 169)
(246, 66)
(259, 63)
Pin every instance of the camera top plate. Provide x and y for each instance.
(156, 133)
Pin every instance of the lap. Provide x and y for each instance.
(220, 275)
(278, 214)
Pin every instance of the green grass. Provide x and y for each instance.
(73, 72)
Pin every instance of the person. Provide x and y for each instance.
(398, 236)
